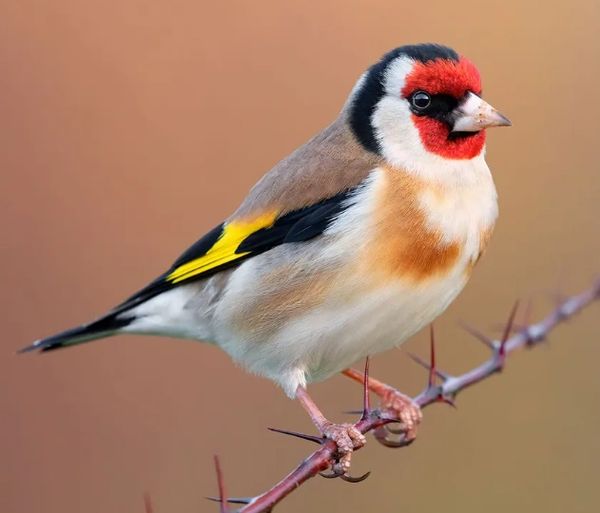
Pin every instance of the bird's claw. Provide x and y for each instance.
(347, 438)
(345, 477)
(403, 409)
(392, 438)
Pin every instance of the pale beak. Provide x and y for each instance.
(474, 114)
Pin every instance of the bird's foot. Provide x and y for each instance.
(347, 438)
(400, 407)
(394, 406)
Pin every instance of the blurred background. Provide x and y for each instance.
(128, 128)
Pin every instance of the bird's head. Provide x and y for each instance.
(420, 104)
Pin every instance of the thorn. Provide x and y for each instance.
(418, 360)
(450, 401)
(527, 314)
(431, 367)
(523, 323)
(516, 327)
(221, 483)
(508, 329)
(148, 503)
(478, 335)
(232, 500)
(302, 436)
(444, 376)
(366, 398)
(432, 373)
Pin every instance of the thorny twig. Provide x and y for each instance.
(441, 387)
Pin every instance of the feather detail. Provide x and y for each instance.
(403, 244)
(224, 250)
(230, 243)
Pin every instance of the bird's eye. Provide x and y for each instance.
(420, 100)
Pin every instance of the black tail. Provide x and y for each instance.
(103, 327)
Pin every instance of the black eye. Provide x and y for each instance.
(420, 100)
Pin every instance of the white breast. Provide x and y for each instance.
(464, 210)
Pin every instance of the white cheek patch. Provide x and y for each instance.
(395, 75)
(397, 135)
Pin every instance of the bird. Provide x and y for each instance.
(346, 247)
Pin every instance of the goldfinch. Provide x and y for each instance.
(346, 247)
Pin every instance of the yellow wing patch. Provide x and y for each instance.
(223, 251)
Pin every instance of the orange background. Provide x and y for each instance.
(128, 128)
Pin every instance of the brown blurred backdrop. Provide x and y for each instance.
(128, 128)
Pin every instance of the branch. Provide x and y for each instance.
(449, 386)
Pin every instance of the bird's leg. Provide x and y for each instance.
(346, 436)
(393, 403)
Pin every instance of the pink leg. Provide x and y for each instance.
(346, 436)
(394, 402)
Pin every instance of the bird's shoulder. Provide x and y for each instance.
(330, 162)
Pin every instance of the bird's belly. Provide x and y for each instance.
(353, 321)
(379, 321)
